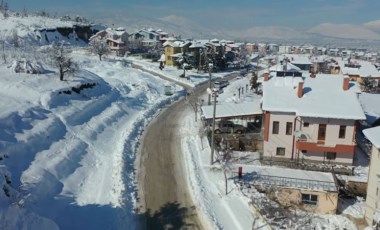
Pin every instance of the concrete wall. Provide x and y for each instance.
(314, 157)
(326, 204)
(373, 193)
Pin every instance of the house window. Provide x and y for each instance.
(309, 199)
(306, 124)
(304, 151)
(321, 132)
(330, 156)
(275, 128)
(289, 126)
(342, 131)
(280, 151)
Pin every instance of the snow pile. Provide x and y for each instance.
(25, 66)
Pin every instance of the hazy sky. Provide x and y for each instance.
(219, 14)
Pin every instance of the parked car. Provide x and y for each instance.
(229, 127)
(221, 84)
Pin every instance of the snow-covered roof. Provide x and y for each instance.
(323, 97)
(280, 67)
(292, 178)
(224, 110)
(373, 134)
(370, 103)
(118, 32)
(179, 44)
(363, 69)
(298, 59)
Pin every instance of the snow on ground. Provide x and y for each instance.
(236, 209)
(70, 156)
(192, 78)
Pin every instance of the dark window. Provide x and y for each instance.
(289, 126)
(309, 199)
(275, 128)
(306, 124)
(342, 131)
(304, 151)
(280, 151)
(322, 132)
(330, 156)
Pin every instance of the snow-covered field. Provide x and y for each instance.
(70, 156)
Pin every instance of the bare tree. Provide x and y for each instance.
(4, 8)
(2, 41)
(62, 60)
(15, 38)
(194, 102)
(24, 12)
(99, 47)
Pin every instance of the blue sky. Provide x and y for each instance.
(240, 14)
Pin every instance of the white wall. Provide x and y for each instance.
(332, 130)
(281, 139)
(373, 199)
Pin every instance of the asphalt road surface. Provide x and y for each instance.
(165, 202)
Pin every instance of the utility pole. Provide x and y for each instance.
(210, 66)
(214, 94)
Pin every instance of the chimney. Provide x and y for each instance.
(346, 83)
(266, 76)
(300, 89)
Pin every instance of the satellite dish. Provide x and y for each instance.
(303, 137)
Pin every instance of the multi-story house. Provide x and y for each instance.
(145, 39)
(173, 49)
(372, 209)
(310, 119)
(117, 39)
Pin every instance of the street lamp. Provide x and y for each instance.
(210, 67)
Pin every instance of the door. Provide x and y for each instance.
(321, 133)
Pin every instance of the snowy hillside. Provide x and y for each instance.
(67, 147)
(44, 30)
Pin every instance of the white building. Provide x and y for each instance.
(310, 119)
(372, 210)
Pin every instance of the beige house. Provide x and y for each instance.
(310, 119)
(372, 210)
(297, 189)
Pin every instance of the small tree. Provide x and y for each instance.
(367, 84)
(99, 47)
(62, 61)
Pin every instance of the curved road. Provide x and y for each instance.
(164, 193)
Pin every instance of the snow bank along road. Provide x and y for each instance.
(166, 202)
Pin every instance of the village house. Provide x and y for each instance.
(310, 119)
(251, 47)
(174, 49)
(116, 39)
(372, 209)
(300, 60)
(145, 39)
(358, 70)
(296, 189)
